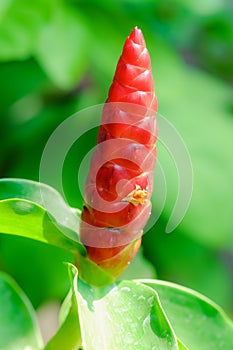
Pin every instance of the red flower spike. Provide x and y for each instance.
(119, 185)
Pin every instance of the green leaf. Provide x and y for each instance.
(186, 261)
(197, 321)
(18, 326)
(124, 315)
(62, 46)
(65, 307)
(34, 210)
(69, 334)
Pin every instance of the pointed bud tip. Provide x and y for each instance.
(136, 36)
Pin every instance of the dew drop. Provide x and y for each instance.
(146, 322)
(141, 298)
(151, 301)
(23, 208)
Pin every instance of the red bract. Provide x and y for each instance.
(119, 185)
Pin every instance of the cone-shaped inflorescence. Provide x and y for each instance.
(119, 185)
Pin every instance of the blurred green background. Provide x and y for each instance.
(57, 57)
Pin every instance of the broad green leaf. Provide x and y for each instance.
(37, 211)
(125, 315)
(65, 307)
(62, 46)
(18, 326)
(196, 320)
(186, 261)
(69, 335)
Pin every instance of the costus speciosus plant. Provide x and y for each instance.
(101, 311)
(119, 185)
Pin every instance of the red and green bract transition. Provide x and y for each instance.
(119, 185)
